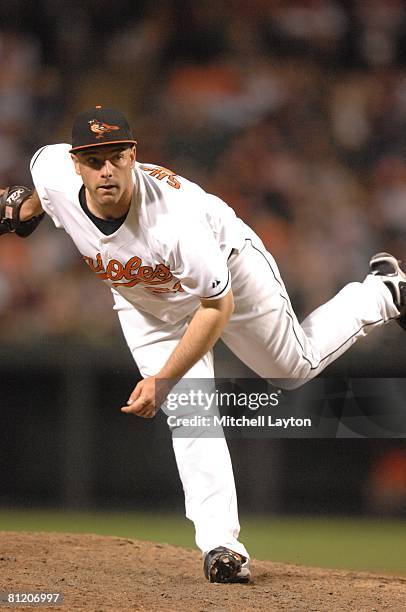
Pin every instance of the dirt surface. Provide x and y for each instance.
(108, 573)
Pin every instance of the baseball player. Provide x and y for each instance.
(185, 271)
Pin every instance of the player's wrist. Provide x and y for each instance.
(31, 207)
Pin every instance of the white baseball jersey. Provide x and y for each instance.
(172, 248)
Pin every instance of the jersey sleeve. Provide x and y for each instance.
(45, 168)
(198, 262)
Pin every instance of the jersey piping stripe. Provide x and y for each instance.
(348, 339)
(211, 297)
(37, 155)
(312, 367)
(287, 303)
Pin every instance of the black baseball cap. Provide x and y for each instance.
(100, 126)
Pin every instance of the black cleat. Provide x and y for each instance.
(224, 565)
(387, 267)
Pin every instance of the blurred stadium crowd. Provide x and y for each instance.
(294, 112)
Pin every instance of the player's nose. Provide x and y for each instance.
(107, 168)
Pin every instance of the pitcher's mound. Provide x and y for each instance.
(108, 573)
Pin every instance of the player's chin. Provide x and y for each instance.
(109, 196)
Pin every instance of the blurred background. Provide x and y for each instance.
(294, 112)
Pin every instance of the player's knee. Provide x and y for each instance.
(289, 384)
(294, 378)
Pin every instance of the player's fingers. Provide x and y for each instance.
(144, 414)
(135, 394)
(147, 415)
(132, 407)
(140, 407)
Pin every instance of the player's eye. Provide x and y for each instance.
(94, 162)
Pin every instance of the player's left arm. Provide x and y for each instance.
(201, 335)
(20, 210)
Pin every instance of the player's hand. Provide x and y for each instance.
(147, 397)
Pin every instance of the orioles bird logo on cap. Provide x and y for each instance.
(100, 129)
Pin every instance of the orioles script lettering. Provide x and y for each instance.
(132, 273)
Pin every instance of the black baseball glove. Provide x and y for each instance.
(10, 203)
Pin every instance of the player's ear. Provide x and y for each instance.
(133, 155)
(75, 163)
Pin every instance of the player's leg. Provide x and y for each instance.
(202, 456)
(203, 461)
(266, 335)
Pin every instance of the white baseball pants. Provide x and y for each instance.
(266, 335)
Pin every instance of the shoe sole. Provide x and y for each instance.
(388, 259)
(389, 267)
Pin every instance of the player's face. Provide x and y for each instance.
(107, 175)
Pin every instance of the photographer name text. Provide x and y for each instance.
(243, 421)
